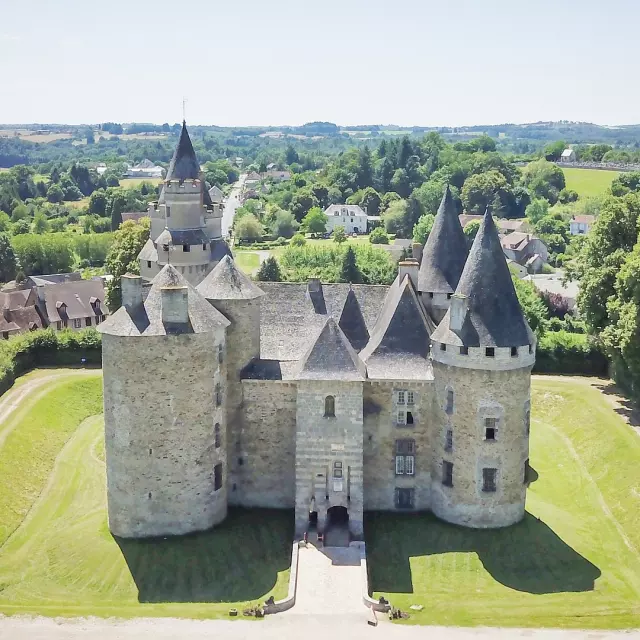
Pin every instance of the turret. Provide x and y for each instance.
(443, 259)
(483, 352)
(164, 410)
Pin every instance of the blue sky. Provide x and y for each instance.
(242, 62)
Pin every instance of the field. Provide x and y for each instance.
(57, 556)
(247, 261)
(130, 183)
(573, 562)
(31, 136)
(589, 182)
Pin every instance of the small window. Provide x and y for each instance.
(204, 246)
(65, 323)
(190, 269)
(148, 264)
(489, 479)
(409, 417)
(404, 498)
(526, 471)
(401, 397)
(165, 247)
(330, 407)
(449, 405)
(401, 418)
(490, 352)
(218, 394)
(5, 335)
(431, 294)
(514, 352)
(337, 469)
(58, 325)
(489, 433)
(399, 465)
(216, 435)
(449, 296)
(220, 353)
(168, 210)
(405, 447)
(186, 248)
(87, 322)
(217, 477)
(490, 428)
(527, 420)
(443, 346)
(409, 465)
(448, 440)
(447, 473)
(410, 397)
(530, 348)
(464, 351)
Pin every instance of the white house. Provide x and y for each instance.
(349, 216)
(568, 155)
(145, 169)
(579, 225)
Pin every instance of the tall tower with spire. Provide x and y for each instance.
(186, 227)
(483, 351)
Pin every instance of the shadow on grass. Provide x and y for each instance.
(527, 556)
(627, 409)
(237, 561)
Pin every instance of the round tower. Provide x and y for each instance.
(164, 390)
(483, 352)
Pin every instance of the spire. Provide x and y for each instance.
(184, 164)
(331, 357)
(493, 315)
(445, 252)
(352, 322)
(227, 282)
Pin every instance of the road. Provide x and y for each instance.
(231, 204)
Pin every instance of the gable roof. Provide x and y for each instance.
(227, 282)
(351, 209)
(567, 152)
(445, 252)
(331, 357)
(494, 317)
(352, 322)
(72, 300)
(146, 318)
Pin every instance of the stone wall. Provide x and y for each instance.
(264, 449)
(160, 410)
(380, 434)
(505, 396)
(321, 441)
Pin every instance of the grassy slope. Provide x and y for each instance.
(589, 182)
(573, 562)
(62, 560)
(248, 261)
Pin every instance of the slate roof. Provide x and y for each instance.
(184, 164)
(494, 318)
(289, 320)
(331, 357)
(352, 322)
(399, 343)
(219, 249)
(71, 300)
(146, 319)
(445, 252)
(182, 236)
(227, 282)
(148, 252)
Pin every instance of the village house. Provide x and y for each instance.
(568, 155)
(526, 250)
(145, 169)
(350, 216)
(579, 225)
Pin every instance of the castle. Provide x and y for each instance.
(331, 399)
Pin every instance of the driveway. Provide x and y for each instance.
(231, 204)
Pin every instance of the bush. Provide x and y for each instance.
(298, 240)
(46, 347)
(378, 236)
(564, 352)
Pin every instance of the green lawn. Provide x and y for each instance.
(62, 560)
(589, 182)
(248, 261)
(129, 183)
(573, 562)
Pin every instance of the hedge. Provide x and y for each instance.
(46, 347)
(564, 352)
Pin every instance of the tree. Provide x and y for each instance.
(5, 222)
(291, 155)
(364, 171)
(544, 180)
(122, 258)
(339, 235)
(40, 223)
(270, 271)
(532, 305)
(248, 229)
(315, 221)
(378, 236)
(350, 271)
(400, 183)
(471, 230)
(395, 216)
(423, 228)
(370, 201)
(302, 202)
(480, 190)
(284, 225)
(21, 212)
(54, 192)
(8, 262)
(554, 150)
(298, 240)
(98, 202)
(537, 210)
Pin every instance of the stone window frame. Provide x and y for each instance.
(405, 458)
(411, 397)
(485, 476)
(489, 409)
(338, 471)
(401, 418)
(401, 396)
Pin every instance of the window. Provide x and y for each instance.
(165, 247)
(448, 440)
(148, 264)
(216, 435)
(217, 477)
(489, 479)
(449, 406)
(464, 351)
(530, 348)
(404, 498)
(405, 457)
(77, 323)
(449, 296)
(410, 397)
(186, 248)
(431, 294)
(168, 210)
(409, 417)
(527, 421)
(190, 269)
(204, 246)
(526, 471)
(447, 473)
(443, 346)
(87, 322)
(220, 353)
(514, 352)
(330, 407)
(5, 335)
(58, 325)
(218, 394)
(401, 418)
(337, 469)
(490, 352)
(401, 397)
(490, 428)
(65, 323)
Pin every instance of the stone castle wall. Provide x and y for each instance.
(160, 409)
(505, 396)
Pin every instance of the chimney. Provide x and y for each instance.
(175, 305)
(131, 291)
(458, 311)
(416, 251)
(409, 267)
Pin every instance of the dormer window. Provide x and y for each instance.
(514, 352)
(165, 247)
(490, 352)
(204, 246)
(186, 248)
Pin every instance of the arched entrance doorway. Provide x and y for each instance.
(337, 527)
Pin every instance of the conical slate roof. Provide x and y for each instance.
(352, 322)
(227, 282)
(184, 164)
(331, 357)
(494, 317)
(445, 252)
